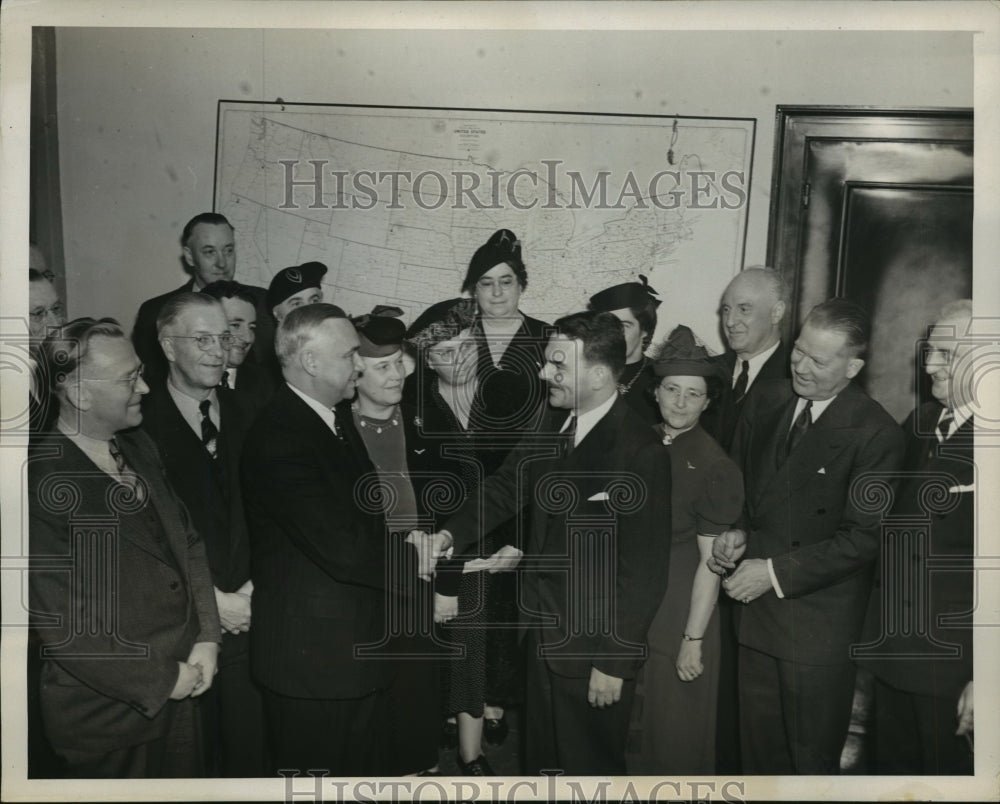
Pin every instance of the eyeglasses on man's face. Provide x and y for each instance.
(131, 380)
(205, 341)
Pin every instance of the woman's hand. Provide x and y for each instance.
(689, 665)
(445, 608)
(505, 559)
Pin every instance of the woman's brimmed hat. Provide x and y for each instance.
(683, 354)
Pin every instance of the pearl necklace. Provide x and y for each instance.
(378, 425)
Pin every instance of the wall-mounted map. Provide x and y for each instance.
(396, 200)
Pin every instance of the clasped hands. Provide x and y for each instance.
(748, 581)
(234, 609)
(195, 676)
(430, 548)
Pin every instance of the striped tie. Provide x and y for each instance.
(209, 432)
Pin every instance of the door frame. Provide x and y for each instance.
(796, 126)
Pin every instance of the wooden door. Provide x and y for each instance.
(875, 205)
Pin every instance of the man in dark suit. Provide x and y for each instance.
(806, 449)
(208, 253)
(120, 587)
(601, 488)
(753, 306)
(250, 380)
(199, 430)
(321, 560)
(919, 629)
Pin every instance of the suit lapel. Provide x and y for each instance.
(767, 469)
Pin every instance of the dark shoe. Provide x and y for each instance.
(478, 767)
(495, 729)
(449, 735)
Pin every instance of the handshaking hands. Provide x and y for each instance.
(430, 547)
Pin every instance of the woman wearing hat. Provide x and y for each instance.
(510, 344)
(673, 719)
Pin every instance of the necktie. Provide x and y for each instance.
(799, 427)
(125, 475)
(224, 383)
(116, 454)
(943, 429)
(740, 389)
(337, 431)
(569, 433)
(209, 432)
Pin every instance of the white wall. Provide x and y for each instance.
(137, 110)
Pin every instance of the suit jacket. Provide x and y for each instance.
(923, 661)
(148, 347)
(254, 386)
(105, 686)
(319, 554)
(720, 419)
(805, 514)
(578, 493)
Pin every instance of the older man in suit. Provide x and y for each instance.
(199, 430)
(598, 486)
(753, 306)
(322, 564)
(919, 631)
(208, 253)
(806, 448)
(120, 585)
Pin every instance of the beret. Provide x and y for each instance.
(289, 281)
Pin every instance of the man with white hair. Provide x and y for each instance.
(321, 562)
(918, 632)
(199, 429)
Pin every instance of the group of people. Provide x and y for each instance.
(269, 536)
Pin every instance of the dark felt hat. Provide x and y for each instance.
(683, 354)
(289, 281)
(503, 246)
(380, 331)
(627, 294)
(441, 322)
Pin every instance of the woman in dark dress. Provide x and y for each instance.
(673, 718)
(506, 348)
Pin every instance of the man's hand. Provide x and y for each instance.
(727, 548)
(689, 665)
(604, 690)
(445, 608)
(430, 547)
(750, 581)
(505, 559)
(204, 656)
(188, 677)
(234, 611)
(966, 723)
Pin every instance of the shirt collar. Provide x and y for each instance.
(815, 411)
(961, 415)
(95, 449)
(585, 422)
(190, 409)
(756, 364)
(326, 414)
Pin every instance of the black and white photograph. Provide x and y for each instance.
(498, 401)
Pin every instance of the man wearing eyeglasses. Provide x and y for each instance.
(45, 312)
(120, 589)
(199, 429)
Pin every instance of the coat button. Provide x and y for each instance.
(173, 586)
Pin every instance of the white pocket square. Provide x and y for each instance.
(822, 470)
(599, 497)
(961, 489)
(420, 451)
